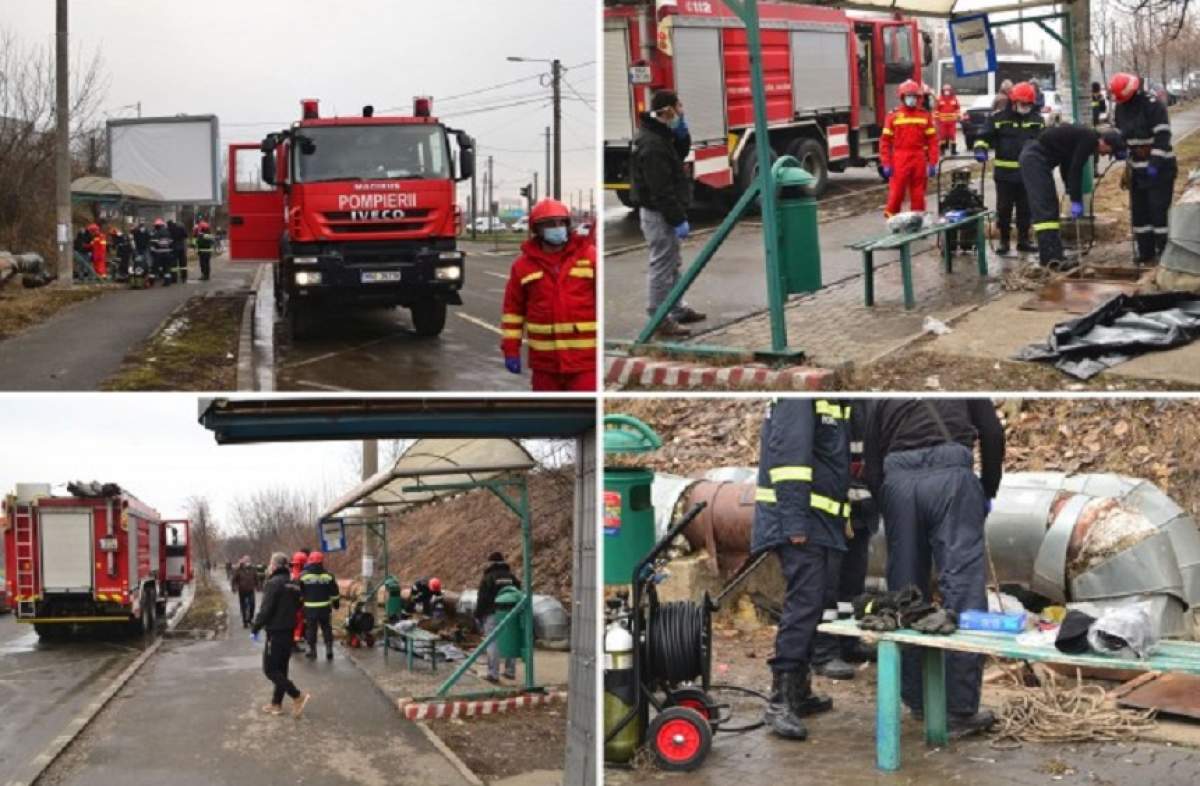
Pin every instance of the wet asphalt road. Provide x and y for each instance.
(377, 350)
(43, 686)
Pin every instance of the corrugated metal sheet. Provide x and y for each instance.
(819, 76)
(699, 81)
(618, 94)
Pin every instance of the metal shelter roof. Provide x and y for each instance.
(235, 421)
(108, 189)
(937, 8)
(451, 465)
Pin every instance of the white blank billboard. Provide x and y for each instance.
(176, 156)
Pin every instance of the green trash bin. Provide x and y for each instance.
(395, 604)
(628, 510)
(511, 636)
(799, 241)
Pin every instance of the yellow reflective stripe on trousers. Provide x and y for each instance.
(823, 407)
(315, 604)
(556, 344)
(1042, 226)
(764, 495)
(830, 506)
(1004, 164)
(510, 333)
(779, 474)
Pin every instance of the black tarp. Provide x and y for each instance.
(1120, 329)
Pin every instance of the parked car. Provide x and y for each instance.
(521, 224)
(1053, 109)
(484, 224)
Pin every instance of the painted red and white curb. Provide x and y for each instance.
(437, 710)
(622, 372)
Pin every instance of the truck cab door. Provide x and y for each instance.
(896, 61)
(255, 207)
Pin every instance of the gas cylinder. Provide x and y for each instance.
(620, 694)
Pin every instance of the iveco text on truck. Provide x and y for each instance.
(357, 211)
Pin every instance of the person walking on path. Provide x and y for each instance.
(496, 576)
(280, 605)
(244, 581)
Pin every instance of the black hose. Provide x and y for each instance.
(676, 646)
(726, 729)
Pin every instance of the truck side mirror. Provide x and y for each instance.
(466, 156)
(268, 167)
(307, 146)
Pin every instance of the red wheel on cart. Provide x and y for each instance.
(680, 739)
(693, 699)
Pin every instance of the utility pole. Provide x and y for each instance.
(556, 71)
(535, 186)
(592, 202)
(491, 184)
(370, 465)
(62, 144)
(549, 171)
(474, 202)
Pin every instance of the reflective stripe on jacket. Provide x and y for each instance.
(318, 587)
(905, 131)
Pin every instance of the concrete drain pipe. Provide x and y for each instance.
(1101, 538)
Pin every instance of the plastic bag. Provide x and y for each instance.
(1124, 632)
(908, 221)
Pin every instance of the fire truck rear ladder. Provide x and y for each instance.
(26, 588)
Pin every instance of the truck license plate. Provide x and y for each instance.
(381, 276)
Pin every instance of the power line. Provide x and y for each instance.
(576, 92)
(495, 108)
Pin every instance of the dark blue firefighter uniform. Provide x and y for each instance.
(934, 507)
(803, 485)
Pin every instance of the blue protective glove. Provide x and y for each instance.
(989, 507)
(931, 171)
(886, 171)
(1151, 170)
(682, 130)
(254, 637)
(980, 155)
(683, 230)
(1076, 209)
(513, 364)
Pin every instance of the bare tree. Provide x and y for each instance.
(1171, 15)
(203, 529)
(276, 519)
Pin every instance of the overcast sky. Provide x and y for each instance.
(251, 61)
(154, 446)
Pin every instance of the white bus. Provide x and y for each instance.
(977, 92)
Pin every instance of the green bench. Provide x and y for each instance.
(415, 640)
(903, 241)
(1169, 656)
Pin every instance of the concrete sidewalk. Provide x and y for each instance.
(81, 346)
(193, 716)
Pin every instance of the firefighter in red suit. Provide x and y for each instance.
(947, 120)
(299, 560)
(550, 301)
(99, 249)
(908, 150)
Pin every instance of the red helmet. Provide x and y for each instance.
(158, 222)
(548, 209)
(435, 584)
(298, 558)
(203, 225)
(93, 228)
(1124, 86)
(1022, 93)
(316, 558)
(909, 88)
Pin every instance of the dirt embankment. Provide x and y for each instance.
(452, 539)
(1154, 439)
(207, 611)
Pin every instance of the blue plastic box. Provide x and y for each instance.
(990, 621)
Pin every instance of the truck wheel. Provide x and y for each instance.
(429, 317)
(748, 167)
(51, 632)
(811, 156)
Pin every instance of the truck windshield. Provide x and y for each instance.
(1023, 72)
(374, 152)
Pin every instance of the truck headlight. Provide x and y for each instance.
(448, 273)
(304, 260)
(307, 278)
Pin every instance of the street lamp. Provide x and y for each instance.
(554, 179)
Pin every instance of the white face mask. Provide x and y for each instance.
(910, 101)
(1022, 109)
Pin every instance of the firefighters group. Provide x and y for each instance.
(1026, 155)
(159, 253)
(827, 470)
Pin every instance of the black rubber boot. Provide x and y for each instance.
(801, 697)
(779, 716)
(1024, 245)
(1002, 247)
(965, 725)
(329, 653)
(835, 669)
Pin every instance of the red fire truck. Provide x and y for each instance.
(96, 555)
(357, 211)
(830, 79)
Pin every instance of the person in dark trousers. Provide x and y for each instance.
(161, 253)
(1067, 148)
(1142, 119)
(277, 615)
(179, 236)
(661, 188)
(496, 576)
(833, 655)
(244, 581)
(321, 596)
(1099, 105)
(124, 248)
(141, 246)
(1007, 132)
(204, 249)
(920, 458)
(801, 513)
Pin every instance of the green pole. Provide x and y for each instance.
(747, 10)
(527, 582)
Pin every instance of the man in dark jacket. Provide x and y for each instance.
(1142, 119)
(496, 576)
(179, 237)
(833, 655)
(661, 188)
(161, 253)
(920, 459)
(1007, 132)
(321, 596)
(1069, 148)
(801, 514)
(244, 581)
(281, 601)
(1099, 105)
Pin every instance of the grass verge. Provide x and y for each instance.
(21, 309)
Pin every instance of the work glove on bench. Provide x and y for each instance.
(941, 621)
